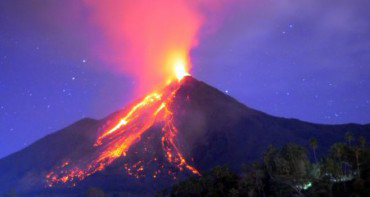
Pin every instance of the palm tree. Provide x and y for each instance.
(349, 138)
(362, 141)
(313, 144)
(297, 162)
(358, 149)
(332, 168)
(337, 152)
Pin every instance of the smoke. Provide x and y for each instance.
(144, 38)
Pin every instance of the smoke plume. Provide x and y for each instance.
(146, 38)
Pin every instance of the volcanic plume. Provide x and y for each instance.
(145, 39)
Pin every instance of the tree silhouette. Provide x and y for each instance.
(287, 172)
(288, 166)
(337, 153)
(362, 141)
(349, 138)
(331, 170)
(252, 181)
(313, 144)
(218, 182)
(358, 149)
(94, 192)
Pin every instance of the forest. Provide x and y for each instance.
(290, 171)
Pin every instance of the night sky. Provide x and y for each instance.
(307, 59)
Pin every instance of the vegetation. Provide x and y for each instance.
(313, 144)
(285, 171)
(343, 171)
(94, 192)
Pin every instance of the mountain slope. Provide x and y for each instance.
(214, 129)
(225, 131)
(19, 169)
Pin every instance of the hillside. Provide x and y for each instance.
(213, 129)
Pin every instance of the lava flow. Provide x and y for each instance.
(113, 143)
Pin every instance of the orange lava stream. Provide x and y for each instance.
(115, 142)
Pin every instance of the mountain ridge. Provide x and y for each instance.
(215, 129)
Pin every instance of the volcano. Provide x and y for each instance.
(163, 138)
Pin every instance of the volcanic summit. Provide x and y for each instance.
(183, 130)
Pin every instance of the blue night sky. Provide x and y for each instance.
(307, 59)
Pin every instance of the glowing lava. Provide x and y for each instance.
(114, 142)
(180, 70)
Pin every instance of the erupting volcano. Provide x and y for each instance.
(184, 129)
(180, 127)
(157, 38)
(114, 141)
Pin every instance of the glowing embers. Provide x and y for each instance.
(173, 154)
(116, 141)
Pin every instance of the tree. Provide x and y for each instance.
(252, 181)
(357, 155)
(362, 141)
(94, 192)
(287, 166)
(313, 144)
(331, 171)
(234, 193)
(218, 182)
(349, 138)
(190, 187)
(296, 155)
(269, 158)
(358, 149)
(287, 172)
(337, 153)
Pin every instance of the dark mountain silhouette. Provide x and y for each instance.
(214, 129)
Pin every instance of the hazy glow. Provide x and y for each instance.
(180, 70)
(148, 39)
